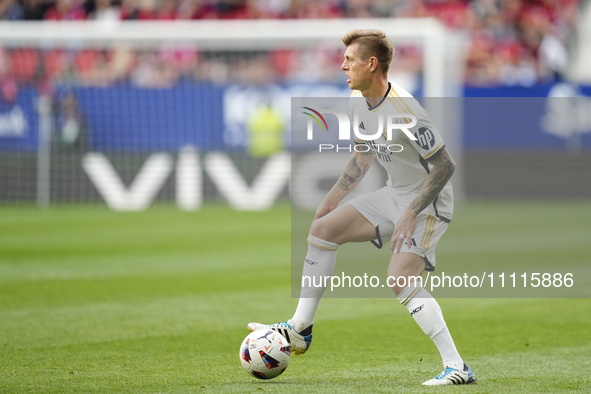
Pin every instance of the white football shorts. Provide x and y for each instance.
(383, 211)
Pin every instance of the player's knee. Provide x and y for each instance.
(396, 284)
(321, 229)
(398, 281)
(395, 288)
(404, 269)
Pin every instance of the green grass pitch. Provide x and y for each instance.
(93, 301)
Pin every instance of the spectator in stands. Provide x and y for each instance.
(274, 8)
(358, 9)
(212, 70)
(387, 8)
(406, 71)
(25, 64)
(90, 67)
(11, 10)
(146, 10)
(196, 9)
(453, 13)
(167, 10)
(105, 11)
(8, 84)
(65, 10)
(153, 72)
(551, 53)
(482, 64)
(36, 9)
(513, 41)
(128, 10)
(320, 9)
(121, 61)
(231, 9)
(253, 10)
(518, 67)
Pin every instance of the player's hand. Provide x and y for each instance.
(405, 227)
(323, 210)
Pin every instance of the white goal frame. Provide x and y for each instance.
(437, 42)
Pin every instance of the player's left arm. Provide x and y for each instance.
(443, 168)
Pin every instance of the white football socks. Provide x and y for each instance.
(427, 313)
(318, 267)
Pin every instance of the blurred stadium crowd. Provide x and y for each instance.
(511, 42)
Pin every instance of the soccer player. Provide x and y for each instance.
(414, 209)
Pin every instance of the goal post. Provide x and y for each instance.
(206, 110)
(427, 33)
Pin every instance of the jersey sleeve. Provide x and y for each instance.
(428, 140)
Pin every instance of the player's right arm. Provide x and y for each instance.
(355, 170)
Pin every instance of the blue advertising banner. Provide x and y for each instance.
(526, 123)
(131, 118)
(223, 117)
(19, 122)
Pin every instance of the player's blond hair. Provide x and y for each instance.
(372, 42)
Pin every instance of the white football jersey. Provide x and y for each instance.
(405, 160)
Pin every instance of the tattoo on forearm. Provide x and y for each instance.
(367, 152)
(353, 174)
(443, 169)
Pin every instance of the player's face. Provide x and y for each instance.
(356, 69)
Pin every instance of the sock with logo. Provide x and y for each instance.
(427, 313)
(319, 267)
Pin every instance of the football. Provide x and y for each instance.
(265, 354)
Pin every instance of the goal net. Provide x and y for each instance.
(182, 112)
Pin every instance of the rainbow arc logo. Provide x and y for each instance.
(315, 118)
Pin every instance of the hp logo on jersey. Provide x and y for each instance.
(425, 138)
